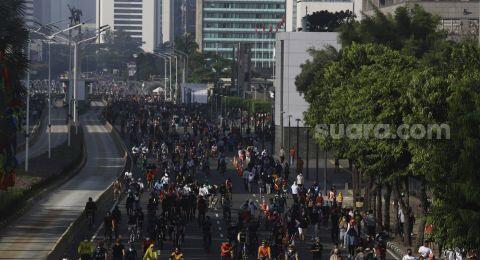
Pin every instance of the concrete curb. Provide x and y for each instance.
(55, 184)
(75, 228)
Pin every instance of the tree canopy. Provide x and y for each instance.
(399, 70)
(325, 21)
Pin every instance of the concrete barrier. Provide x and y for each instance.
(75, 229)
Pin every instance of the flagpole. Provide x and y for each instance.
(263, 54)
(255, 46)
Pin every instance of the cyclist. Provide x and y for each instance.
(242, 244)
(291, 253)
(132, 226)
(140, 218)
(131, 253)
(151, 253)
(85, 249)
(118, 250)
(222, 165)
(207, 234)
(316, 249)
(108, 221)
(90, 209)
(117, 217)
(264, 251)
(117, 189)
(176, 254)
(100, 252)
(226, 250)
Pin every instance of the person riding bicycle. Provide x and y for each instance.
(264, 251)
(222, 164)
(176, 254)
(85, 249)
(90, 209)
(226, 250)
(108, 222)
(131, 253)
(101, 252)
(140, 218)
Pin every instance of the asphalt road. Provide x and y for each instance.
(34, 234)
(58, 135)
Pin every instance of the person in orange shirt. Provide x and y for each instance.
(264, 252)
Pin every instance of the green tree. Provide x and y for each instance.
(13, 64)
(325, 21)
(411, 30)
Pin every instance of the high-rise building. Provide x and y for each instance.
(178, 18)
(223, 24)
(141, 19)
(458, 17)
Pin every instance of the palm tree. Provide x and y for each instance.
(13, 64)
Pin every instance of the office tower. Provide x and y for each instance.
(141, 19)
(221, 25)
(178, 18)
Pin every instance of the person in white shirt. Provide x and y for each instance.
(424, 250)
(165, 180)
(300, 179)
(409, 255)
(295, 192)
(203, 191)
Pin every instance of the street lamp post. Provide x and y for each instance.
(297, 154)
(325, 173)
(316, 161)
(289, 140)
(27, 126)
(306, 156)
(49, 103)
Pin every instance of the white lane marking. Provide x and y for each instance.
(393, 255)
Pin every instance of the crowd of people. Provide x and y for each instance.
(180, 156)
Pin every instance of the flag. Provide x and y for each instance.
(271, 28)
(263, 26)
(256, 28)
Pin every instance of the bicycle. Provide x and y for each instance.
(244, 252)
(132, 230)
(90, 221)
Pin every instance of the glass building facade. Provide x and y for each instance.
(255, 22)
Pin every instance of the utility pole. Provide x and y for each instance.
(325, 173)
(306, 157)
(49, 103)
(27, 128)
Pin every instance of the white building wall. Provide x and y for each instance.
(150, 20)
(167, 20)
(295, 54)
(148, 26)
